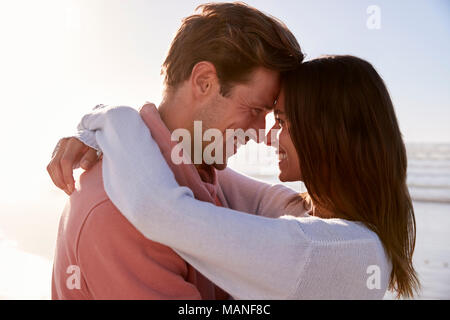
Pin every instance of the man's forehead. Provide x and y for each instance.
(271, 105)
(263, 102)
(267, 86)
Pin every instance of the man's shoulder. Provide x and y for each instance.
(95, 208)
(106, 231)
(95, 216)
(104, 215)
(88, 195)
(98, 238)
(90, 190)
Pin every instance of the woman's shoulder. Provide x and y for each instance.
(333, 230)
(343, 256)
(343, 238)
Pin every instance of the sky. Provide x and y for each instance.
(60, 58)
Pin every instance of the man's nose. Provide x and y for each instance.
(260, 126)
(272, 136)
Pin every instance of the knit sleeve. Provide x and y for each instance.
(249, 195)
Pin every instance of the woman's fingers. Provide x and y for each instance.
(54, 168)
(67, 154)
(89, 159)
(147, 107)
(74, 150)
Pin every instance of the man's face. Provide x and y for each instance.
(245, 107)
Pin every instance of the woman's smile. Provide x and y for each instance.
(282, 157)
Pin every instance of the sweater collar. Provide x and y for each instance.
(203, 182)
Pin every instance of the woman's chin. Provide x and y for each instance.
(283, 177)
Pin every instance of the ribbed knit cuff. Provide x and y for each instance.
(88, 138)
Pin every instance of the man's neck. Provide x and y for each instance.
(174, 115)
(167, 111)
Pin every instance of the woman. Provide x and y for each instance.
(339, 135)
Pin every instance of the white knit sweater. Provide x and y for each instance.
(266, 255)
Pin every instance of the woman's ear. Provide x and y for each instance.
(204, 80)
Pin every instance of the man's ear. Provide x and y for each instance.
(204, 80)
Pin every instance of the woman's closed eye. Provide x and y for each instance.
(280, 121)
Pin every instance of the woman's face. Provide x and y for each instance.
(288, 159)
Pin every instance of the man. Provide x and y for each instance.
(223, 69)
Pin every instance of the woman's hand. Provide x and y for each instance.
(69, 152)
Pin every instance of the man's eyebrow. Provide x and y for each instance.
(271, 106)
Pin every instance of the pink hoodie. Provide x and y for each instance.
(101, 255)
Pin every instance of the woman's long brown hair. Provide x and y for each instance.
(352, 155)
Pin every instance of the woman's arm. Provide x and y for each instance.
(246, 194)
(250, 257)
